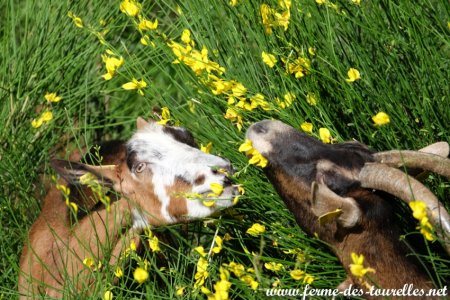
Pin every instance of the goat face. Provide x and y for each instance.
(317, 179)
(162, 169)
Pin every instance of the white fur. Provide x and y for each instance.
(169, 159)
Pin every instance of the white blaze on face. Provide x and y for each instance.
(170, 160)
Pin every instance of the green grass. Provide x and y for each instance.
(401, 49)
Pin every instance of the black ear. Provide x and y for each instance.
(73, 171)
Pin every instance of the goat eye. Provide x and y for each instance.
(140, 167)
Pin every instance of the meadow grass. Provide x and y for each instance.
(401, 50)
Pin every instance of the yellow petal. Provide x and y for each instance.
(353, 75)
(246, 146)
(325, 135)
(381, 118)
(269, 59)
(140, 275)
(307, 127)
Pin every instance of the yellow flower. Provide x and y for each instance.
(258, 160)
(325, 135)
(112, 64)
(357, 2)
(186, 36)
(269, 59)
(246, 146)
(312, 51)
(250, 282)
(154, 244)
(219, 242)
(130, 7)
(237, 269)
(238, 90)
(47, 116)
(289, 98)
(133, 246)
(311, 98)
(256, 157)
(202, 273)
(88, 262)
(200, 250)
(273, 266)
(145, 24)
(36, 123)
(216, 188)
(308, 279)
(256, 229)
(140, 275)
(353, 75)
(165, 116)
(64, 189)
(72, 205)
(233, 2)
(306, 127)
(419, 209)
(52, 97)
(426, 229)
(135, 84)
(297, 274)
(357, 268)
(207, 148)
(108, 295)
(299, 66)
(234, 117)
(76, 20)
(180, 291)
(118, 272)
(381, 118)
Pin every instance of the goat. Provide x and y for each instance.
(315, 179)
(153, 175)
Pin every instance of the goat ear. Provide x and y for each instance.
(73, 171)
(328, 206)
(141, 123)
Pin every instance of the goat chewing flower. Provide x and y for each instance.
(256, 157)
(135, 84)
(357, 268)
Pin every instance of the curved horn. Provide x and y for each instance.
(415, 159)
(395, 182)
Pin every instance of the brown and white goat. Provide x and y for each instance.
(315, 179)
(152, 175)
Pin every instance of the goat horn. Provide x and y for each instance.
(415, 159)
(393, 181)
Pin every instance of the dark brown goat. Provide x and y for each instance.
(316, 179)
